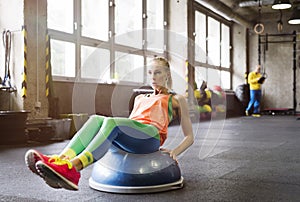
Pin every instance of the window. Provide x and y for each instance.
(212, 49)
(128, 22)
(95, 12)
(63, 56)
(61, 15)
(95, 63)
(225, 47)
(200, 38)
(213, 78)
(101, 40)
(213, 42)
(129, 67)
(225, 79)
(155, 25)
(200, 75)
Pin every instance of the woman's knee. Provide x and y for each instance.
(108, 121)
(96, 118)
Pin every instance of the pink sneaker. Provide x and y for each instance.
(60, 171)
(31, 158)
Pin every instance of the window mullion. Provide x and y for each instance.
(145, 40)
(206, 37)
(144, 25)
(77, 34)
(220, 46)
(166, 27)
(112, 35)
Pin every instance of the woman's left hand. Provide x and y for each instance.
(171, 152)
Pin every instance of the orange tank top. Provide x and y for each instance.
(155, 110)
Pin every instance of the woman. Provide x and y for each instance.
(143, 132)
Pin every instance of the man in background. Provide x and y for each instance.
(255, 80)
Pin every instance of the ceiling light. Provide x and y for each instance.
(295, 18)
(284, 4)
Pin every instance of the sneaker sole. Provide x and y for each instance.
(50, 175)
(30, 160)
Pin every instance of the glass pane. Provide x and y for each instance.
(213, 78)
(200, 38)
(60, 15)
(128, 22)
(155, 25)
(200, 76)
(95, 19)
(129, 67)
(225, 47)
(225, 80)
(213, 42)
(155, 14)
(95, 63)
(62, 58)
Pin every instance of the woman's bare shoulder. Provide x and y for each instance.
(178, 100)
(179, 97)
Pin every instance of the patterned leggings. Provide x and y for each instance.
(95, 137)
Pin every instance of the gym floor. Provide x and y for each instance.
(237, 159)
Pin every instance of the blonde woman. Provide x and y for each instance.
(144, 131)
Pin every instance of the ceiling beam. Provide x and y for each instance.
(222, 9)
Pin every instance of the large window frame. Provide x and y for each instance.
(111, 44)
(213, 63)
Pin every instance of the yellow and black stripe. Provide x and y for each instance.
(48, 68)
(24, 75)
(187, 77)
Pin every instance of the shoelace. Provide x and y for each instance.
(58, 161)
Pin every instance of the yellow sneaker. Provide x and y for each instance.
(256, 115)
(247, 113)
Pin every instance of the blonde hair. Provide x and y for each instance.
(164, 62)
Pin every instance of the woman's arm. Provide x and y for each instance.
(186, 125)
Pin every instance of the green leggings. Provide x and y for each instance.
(96, 136)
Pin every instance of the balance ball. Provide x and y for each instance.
(122, 172)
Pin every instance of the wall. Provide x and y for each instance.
(239, 53)
(278, 88)
(104, 99)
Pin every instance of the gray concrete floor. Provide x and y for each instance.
(237, 159)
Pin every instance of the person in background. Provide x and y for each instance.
(255, 80)
(143, 132)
